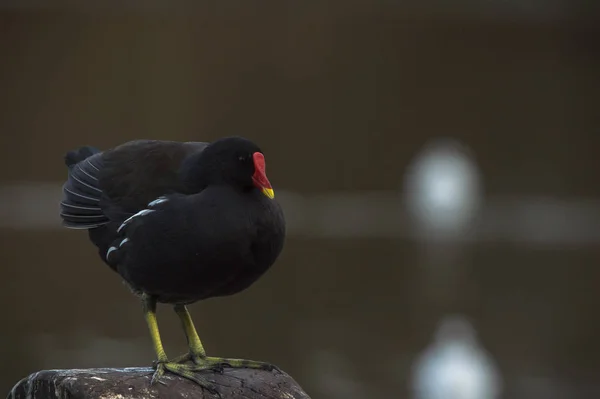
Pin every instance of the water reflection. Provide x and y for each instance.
(455, 366)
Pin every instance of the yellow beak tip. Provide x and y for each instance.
(269, 192)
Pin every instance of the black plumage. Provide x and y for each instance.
(179, 222)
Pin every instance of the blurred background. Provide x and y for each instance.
(437, 163)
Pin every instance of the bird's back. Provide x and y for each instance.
(137, 172)
(105, 188)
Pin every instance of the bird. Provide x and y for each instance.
(179, 222)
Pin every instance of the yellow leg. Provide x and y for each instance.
(162, 363)
(194, 343)
(198, 355)
(149, 306)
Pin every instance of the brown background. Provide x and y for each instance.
(340, 98)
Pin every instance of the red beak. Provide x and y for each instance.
(260, 177)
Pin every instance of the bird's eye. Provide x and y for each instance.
(242, 158)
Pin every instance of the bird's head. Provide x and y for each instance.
(235, 161)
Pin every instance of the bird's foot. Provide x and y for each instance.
(218, 363)
(181, 366)
(186, 371)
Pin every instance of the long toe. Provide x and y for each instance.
(191, 373)
(238, 363)
(158, 373)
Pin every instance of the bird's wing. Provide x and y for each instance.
(138, 172)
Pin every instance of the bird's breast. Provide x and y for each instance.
(215, 252)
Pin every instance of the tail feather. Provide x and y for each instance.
(80, 207)
(80, 154)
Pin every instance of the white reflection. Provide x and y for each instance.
(455, 366)
(442, 188)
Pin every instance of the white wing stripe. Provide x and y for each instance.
(140, 213)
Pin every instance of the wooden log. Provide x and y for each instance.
(134, 383)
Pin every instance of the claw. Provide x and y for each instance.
(275, 368)
(219, 368)
(160, 371)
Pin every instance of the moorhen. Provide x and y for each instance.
(179, 222)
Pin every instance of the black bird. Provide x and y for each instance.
(179, 222)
